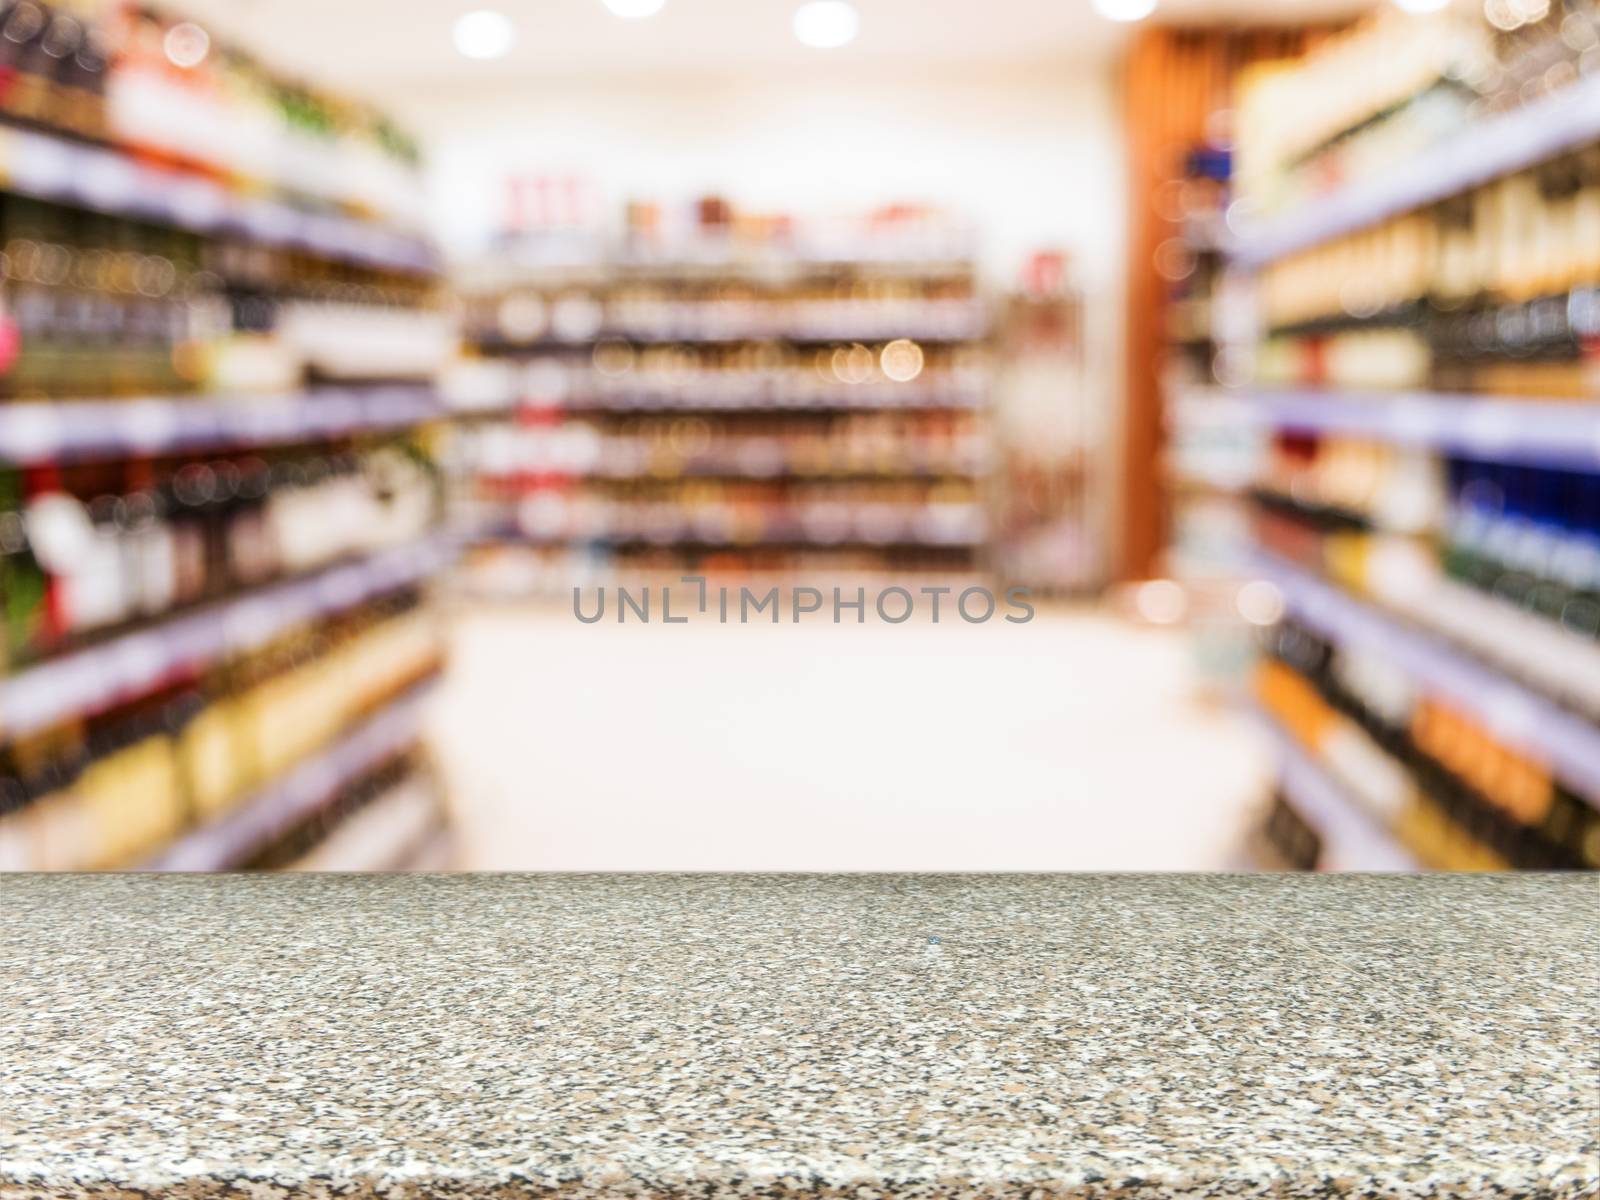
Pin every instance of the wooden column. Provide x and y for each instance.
(1174, 80)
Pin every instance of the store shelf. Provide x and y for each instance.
(789, 536)
(694, 542)
(1485, 150)
(227, 842)
(383, 835)
(760, 403)
(810, 333)
(104, 180)
(1516, 714)
(134, 663)
(973, 328)
(733, 473)
(438, 853)
(1351, 839)
(1550, 433)
(938, 255)
(68, 430)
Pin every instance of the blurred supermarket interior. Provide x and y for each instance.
(1228, 369)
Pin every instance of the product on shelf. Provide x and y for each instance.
(1293, 841)
(160, 87)
(199, 595)
(1191, 265)
(1490, 290)
(811, 307)
(111, 789)
(92, 305)
(1441, 783)
(387, 819)
(1426, 278)
(1503, 560)
(92, 547)
(718, 512)
(95, 305)
(54, 61)
(686, 408)
(1398, 83)
(762, 445)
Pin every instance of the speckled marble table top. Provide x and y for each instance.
(721, 1037)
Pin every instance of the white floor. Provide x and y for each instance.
(1071, 743)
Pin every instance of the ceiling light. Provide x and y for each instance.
(826, 23)
(634, 9)
(1125, 10)
(1420, 6)
(484, 34)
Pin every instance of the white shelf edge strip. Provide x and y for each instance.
(1522, 717)
(106, 180)
(1536, 431)
(41, 432)
(437, 853)
(1353, 839)
(224, 842)
(132, 664)
(848, 331)
(752, 401)
(1485, 150)
(383, 834)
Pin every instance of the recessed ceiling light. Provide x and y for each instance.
(484, 34)
(1125, 10)
(634, 9)
(826, 23)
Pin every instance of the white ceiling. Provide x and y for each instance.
(378, 47)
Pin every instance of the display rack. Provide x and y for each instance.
(1485, 150)
(823, 399)
(1517, 675)
(748, 417)
(171, 594)
(1350, 839)
(106, 180)
(132, 664)
(229, 841)
(1522, 716)
(1503, 428)
(34, 432)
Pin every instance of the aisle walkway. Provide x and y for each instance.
(1070, 743)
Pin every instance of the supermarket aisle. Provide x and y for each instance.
(1069, 743)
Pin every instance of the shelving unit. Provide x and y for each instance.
(758, 400)
(1522, 716)
(34, 432)
(106, 180)
(131, 664)
(1564, 433)
(227, 842)
(1350, 839)
(204, 586)
(1412, 613)
(739, 416)
(1486, 150)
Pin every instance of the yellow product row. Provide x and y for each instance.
(1535, 233)
(1288, 111)
(181, 770)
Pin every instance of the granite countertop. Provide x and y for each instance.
(715, 1037)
